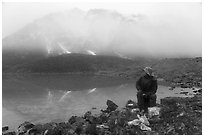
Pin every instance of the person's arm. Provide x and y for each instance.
(138, 85)
(154, 86)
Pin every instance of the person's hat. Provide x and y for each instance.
(148, 70)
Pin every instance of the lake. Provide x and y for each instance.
(45, 98)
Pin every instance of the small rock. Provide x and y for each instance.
(171, 88)
(143, 119)
(181, 114)
(134, 122)
(102, 126)
(131, 104)
(87, 114)
(70, 132)
(153, 111)
(135, 110)
(144, 127)
(200, 90)
(184, 92)
(45, 133)
(184, 86)
(103, 117)
(5, 128)
(170, 130)
(92, 119)
(10, 133)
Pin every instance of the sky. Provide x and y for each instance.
(24, 13)
(178, 24)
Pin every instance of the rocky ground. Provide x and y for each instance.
(174, 116)
(177, 72)
(185, 73)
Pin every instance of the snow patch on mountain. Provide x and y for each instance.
(122, 56)
(91, 52)
(65, 51)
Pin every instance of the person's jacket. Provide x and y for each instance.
(147, 84)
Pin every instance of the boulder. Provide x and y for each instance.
(36, 130)
(24, 127)
(111, 106)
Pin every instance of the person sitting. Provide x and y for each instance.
(146, 86)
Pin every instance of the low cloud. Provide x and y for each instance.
(169, 34)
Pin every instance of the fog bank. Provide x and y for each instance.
(157, 30)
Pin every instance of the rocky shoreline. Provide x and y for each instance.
(174, 116)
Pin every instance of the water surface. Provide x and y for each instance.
(45, 98)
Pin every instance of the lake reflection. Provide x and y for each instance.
(47, 98)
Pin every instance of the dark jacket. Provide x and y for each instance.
(147, 84)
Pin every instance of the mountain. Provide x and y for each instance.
(63, 33)
(97, 41)
(73, 31)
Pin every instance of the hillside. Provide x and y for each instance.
(185, 72)
(13, 58)
(70, 63)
